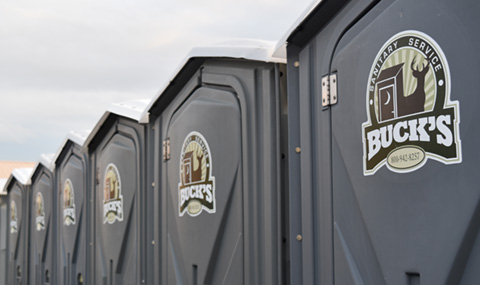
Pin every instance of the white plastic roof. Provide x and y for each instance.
(47, 161)
(3, 182)
(22, 175)
(280, 49)
(132, 109)
(77, 137)
(250, 49)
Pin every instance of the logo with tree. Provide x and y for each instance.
(68, 203)
(410, 115)
(196, 190)
(112, 195)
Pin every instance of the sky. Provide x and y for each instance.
(62, 63)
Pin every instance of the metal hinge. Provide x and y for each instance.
(166, 149)
(329, 90)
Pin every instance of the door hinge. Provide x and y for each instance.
(329, 90)
(166, 149)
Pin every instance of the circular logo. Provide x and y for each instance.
(112, 198)
(410, 115)
(196, 190)
(68, 203)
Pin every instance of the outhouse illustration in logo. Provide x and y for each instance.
(40, 212)
(112, 195)
(68, 203)
(13, 218)
(410, 116)
(196, 190)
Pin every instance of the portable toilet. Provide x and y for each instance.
(18, 225)
(116, 147)
(3, 231)
(218, 151)
(43, 224)
(384, 185)
(6, 168)
(73, 208)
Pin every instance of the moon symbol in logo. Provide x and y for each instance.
(388, 99)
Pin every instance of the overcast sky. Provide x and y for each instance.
(62, 63)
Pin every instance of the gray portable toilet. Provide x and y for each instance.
(385, 177)
(18, 225)
(42, 226)
(3, 231)
(217, 128)
(73, 208)
(116, 147)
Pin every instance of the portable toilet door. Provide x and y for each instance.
(387, 176)
(17, 186)
(218, 166)
(42, 226)
(72, 169)
(117, 151)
